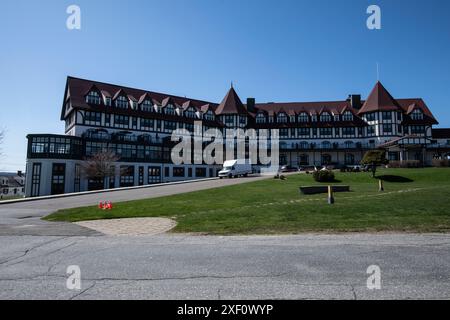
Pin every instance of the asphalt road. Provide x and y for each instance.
(35, 255)
(204, 267)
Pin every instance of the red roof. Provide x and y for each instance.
(379, 100)
(231, 104)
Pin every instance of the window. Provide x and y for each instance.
(349, 144)
(170, 126)
(121, 121)
(303, 117)
(209, 116)
(36, 180)
(386, 115)
(371, 116)
(417, 129)
(303, 145)
(127, 176)
(122, 102)
(178, 172)
(326, 145)
(284, 133)
(387, 128)
(314, 118)
(325, 117)
(417, 114)
(147, 106)
(326, 159)
(93, 97)
(92, 118)
(371, 130)
(200, 172)
(147, 124)
(77, 178)
(154, 175)
(349, 159)
(169, 109)
(347, 116)
(260, 118)
(303, 132)
(108, 102)
(348, 131)
(229, 120)
(190, 113)
(303, 160)
(281, 117)
(141, 176)
(326, 132)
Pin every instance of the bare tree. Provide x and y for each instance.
(101, 166)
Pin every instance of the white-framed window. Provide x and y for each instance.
(169, 109)
(122, 102)
(325, 117)
(147, 106)
(260, 118)
(281, 117)
(347, 116)
(93, 97)
(303, 117)
(417, 114)
(108, 102)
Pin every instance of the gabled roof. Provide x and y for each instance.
(231, 104)
(379, 100)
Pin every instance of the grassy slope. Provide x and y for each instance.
(275, 206)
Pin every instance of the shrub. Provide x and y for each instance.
(405, 164)
(440, 163)
(323, 176)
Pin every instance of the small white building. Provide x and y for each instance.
(12, 184)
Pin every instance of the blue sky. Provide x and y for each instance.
(271, 50)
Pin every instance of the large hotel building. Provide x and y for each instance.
(136, 125)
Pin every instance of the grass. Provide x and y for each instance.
(414, 200)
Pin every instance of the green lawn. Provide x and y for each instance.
(413, 200)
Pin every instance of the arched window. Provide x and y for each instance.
(122, 102)
(281, 117)
(147, 106)
(303, 117)
(347, 116)
(326, 159)
(326, 145)
(304, 145)
(349, 144)
(93, 97)
(417, 114)
(349, 159)
(325, 117)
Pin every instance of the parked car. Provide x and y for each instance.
(288, 168)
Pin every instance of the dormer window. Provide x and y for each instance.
(281, 118)
(347, 116)
(134, 105)
(122, 102)
(147, 106)
(108, 102)
(169, 109)
(292, 118)
(417, 114)
(325, 117)
(190, 113)
(260, 118)
(93, 97)
(209, 115)
(303, 117)
(314, 118)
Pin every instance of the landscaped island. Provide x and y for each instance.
(414, 200)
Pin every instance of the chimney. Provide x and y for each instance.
(355, 101)
(19, 173)
(251, 105)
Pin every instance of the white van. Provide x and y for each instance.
(235, 168)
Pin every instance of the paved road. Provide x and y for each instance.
(204, 267)
(24, 218)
